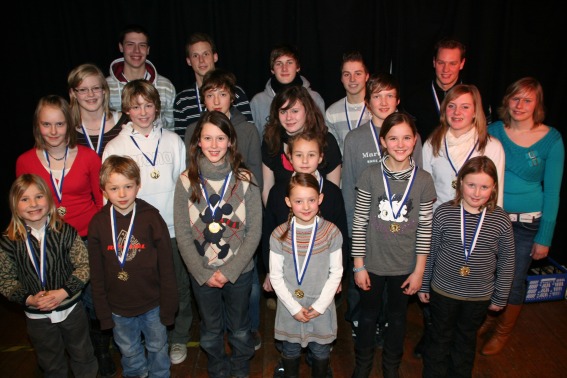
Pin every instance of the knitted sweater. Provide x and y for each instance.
(533, 178)
(66, 267)
(247, 141)
(338, 123)
(491, 262)
(319, 284)
(230, 249)
(149, 265)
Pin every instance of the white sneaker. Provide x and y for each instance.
(178, 353)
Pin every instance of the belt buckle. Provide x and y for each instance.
(526, 218)
(513, 217)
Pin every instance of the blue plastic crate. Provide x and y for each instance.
(549, 284)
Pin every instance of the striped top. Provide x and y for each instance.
(491, 263)
(186, 110)
(391, 253)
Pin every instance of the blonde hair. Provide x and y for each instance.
(75, 78)
(17, 229)
(59, 103)
(479, 119)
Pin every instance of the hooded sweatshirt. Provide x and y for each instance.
(262, 101)
(169, 162)
(116, 81)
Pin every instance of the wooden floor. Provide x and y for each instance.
(537, 348)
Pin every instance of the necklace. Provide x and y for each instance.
(58, 159)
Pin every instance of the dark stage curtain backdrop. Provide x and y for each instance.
(505, 40)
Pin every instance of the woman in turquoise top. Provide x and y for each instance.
(532, 180)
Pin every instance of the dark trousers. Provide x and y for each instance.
(452, 340)
(396, 312)
(51, 340)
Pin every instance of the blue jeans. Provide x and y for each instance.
(452, 338)
(255, 298)
(128, 333)
(179, 334)
(524, 234)
(318, 351)
(228, 304)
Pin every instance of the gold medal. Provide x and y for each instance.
(394, 227)
(214, 227)
(62, 211)
(154, 174)
(299, 293)
(454, 184)
(123, 276)
(465, 271)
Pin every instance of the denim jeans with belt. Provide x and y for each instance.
(524, 234)
(128, 333)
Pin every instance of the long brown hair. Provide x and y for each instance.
(314, 120)
(479, 119)
(478, 164)
(306, 180)
(194, 152)
(17, 228)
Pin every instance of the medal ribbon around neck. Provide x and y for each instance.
(396, 214)
(39, 268)
(300, 271)
(359, 118)
(449, 157)
(57, 187)
(152, 162)
(476, 232)
(126, 246)
(319, 177)
(198, 98)
(376, 138)
(100, 135)
(437, 105)
(222, 192)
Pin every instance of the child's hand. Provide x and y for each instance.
(340, 288)
(301, 316)
(412, 284)
(220, 277)
(312, 313)
(423, 297)
(267, 283)
(50, 300)
(493, 307)
(362, 280)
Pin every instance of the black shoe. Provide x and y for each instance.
(279, 370)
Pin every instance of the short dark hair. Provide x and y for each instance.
(381, 82)
(281, 50)
(199, 37)
(353, 56)
(133, 28)
(449, 43)
(218, 78)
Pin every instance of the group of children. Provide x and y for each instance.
(188, 216)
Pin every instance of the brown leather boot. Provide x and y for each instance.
(504, 326)
(488, 324)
